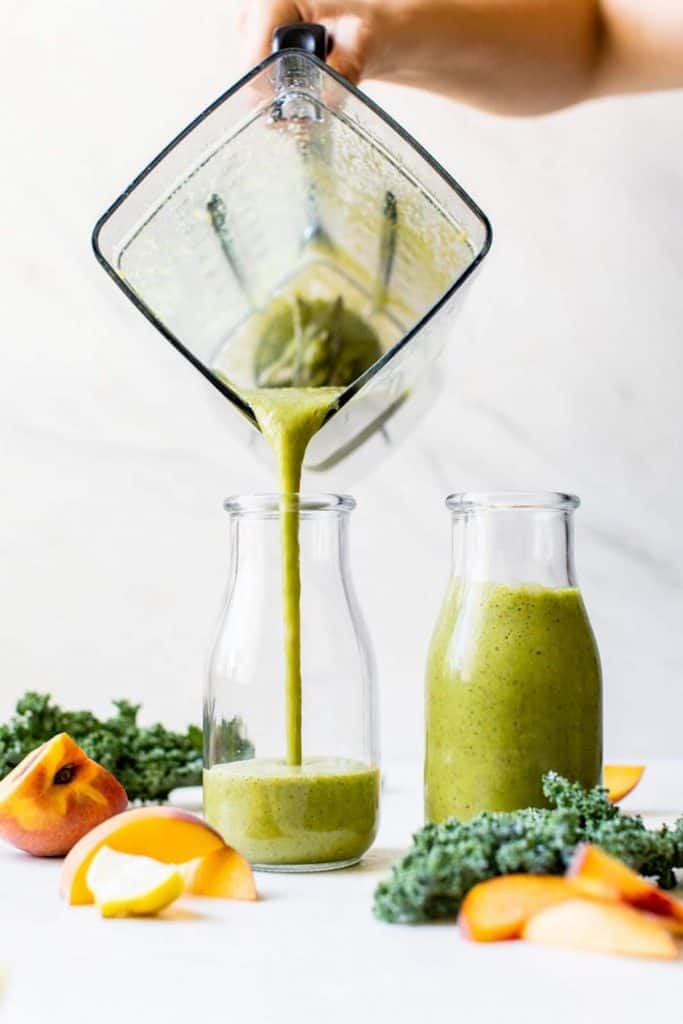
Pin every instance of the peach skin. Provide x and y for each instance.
(600, 874)
(620, 779)
(55, 796)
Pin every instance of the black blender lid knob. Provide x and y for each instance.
(302, 35)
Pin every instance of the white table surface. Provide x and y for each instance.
(309, 951)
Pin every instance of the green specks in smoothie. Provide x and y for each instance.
(513, 691)
(321, 812)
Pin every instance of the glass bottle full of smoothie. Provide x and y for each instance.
(513, 684)
(291, 773)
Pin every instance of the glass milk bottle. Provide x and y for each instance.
(308, 804)
(513, 684)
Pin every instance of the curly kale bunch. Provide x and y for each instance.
(446, 860)
(149, 761)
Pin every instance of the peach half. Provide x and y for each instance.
(620, 779)
(56, 795)
(163, 833)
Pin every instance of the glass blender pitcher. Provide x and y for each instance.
(295, 183)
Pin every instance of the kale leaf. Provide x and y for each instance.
(149, 761)
(446, 860)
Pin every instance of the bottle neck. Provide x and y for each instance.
(514, 546)
(256, 544)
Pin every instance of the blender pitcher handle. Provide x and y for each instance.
(297, 79)
(298, 85)
(302, 35)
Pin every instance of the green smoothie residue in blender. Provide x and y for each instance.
(513, 691)
(298, 810)
(313, 343)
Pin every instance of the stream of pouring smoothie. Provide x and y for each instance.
(308, 350)
(288, 418)
(313, 809)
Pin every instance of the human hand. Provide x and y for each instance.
(509, 56)
(517, 56)
(354, 27)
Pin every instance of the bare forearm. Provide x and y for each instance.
(530, 56)
(641, 46)
(510, 56)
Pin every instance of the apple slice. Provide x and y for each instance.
(127, 885)
(599, 874)
(601, 928)
(163, 833)
(223, 874)
(54, 796)
(621, 779)
(499, 908)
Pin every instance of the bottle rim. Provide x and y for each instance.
(512, 501)
(269, 505)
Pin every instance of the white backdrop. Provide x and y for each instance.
(566, 373)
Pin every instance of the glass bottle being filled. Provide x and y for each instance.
(513, 685)
(291, 776)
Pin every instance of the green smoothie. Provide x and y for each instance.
(322, 812)
(288, 418)
(513, 691)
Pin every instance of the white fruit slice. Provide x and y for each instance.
(127, 885)
(602, 927)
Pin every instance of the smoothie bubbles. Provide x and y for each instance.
(300, 789)
(513, 685)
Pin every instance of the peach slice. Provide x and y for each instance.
(126, 885)
(670, 923)
(602, 928)
(620, 779)
(56, 795)
(500, 907)
(602, 875)
(223, 874)
(163, 833)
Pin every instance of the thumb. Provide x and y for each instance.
(254, 23)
